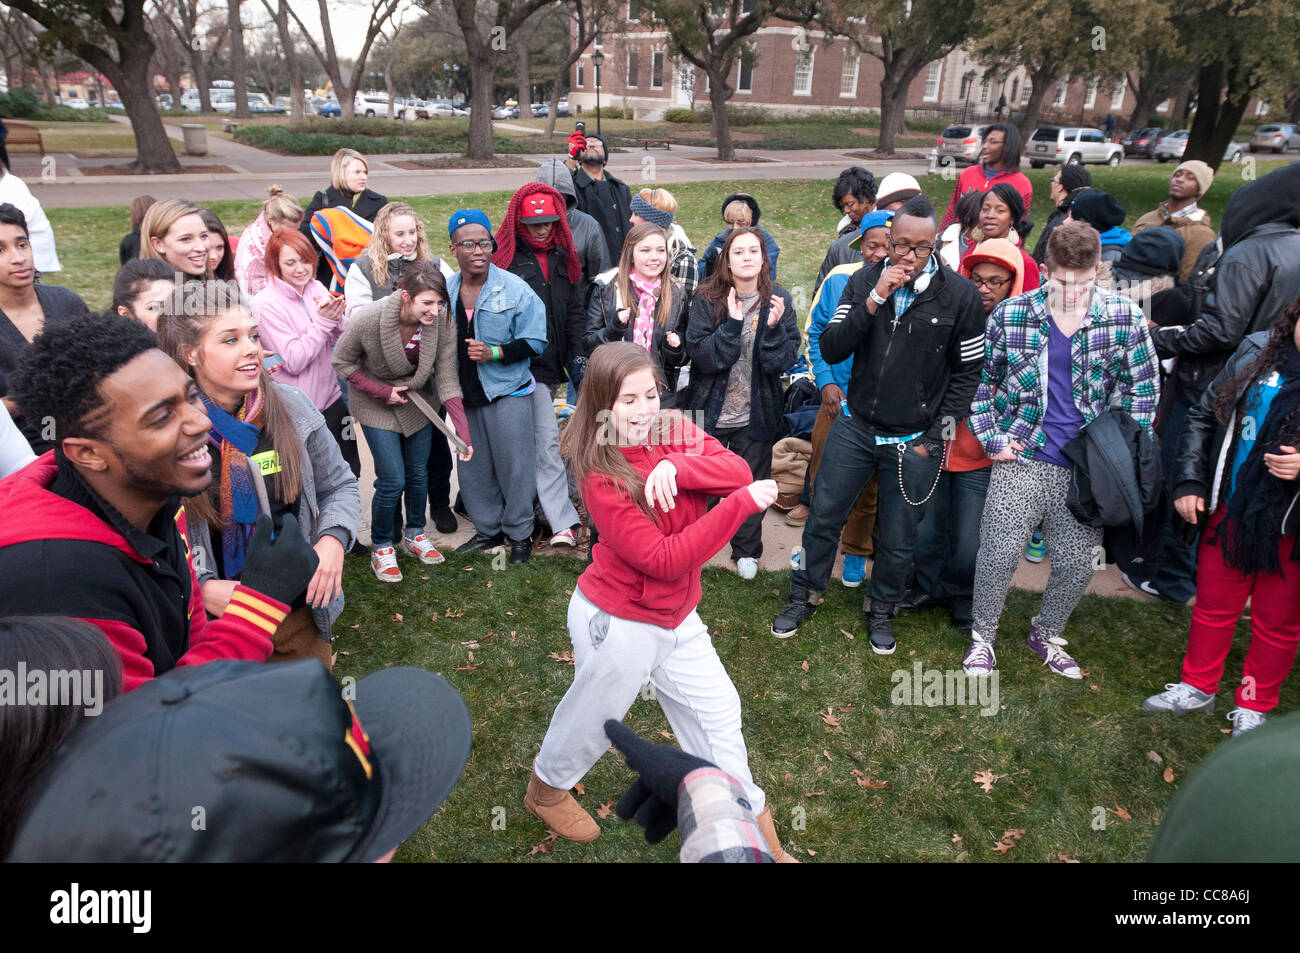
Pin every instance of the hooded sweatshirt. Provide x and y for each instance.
(64, 550)
(587, 236)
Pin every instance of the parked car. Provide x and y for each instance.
(960, 142)
(1234, 152)
(331, 110)
(1074, 145)
(371, 105)
(441, 109)
(1278, 136)
(415, 109)
(1172, 145)
(76, 102)
(540, 109)
(1142, 142)
(505, 112)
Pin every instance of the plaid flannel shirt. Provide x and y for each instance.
(716, 823)
(1112, 361)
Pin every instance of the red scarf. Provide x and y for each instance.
(511, 230)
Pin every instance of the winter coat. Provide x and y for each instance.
(1196, 230)
(291, 326)
(603, 326)
(584, 187)
(1115, 472)
(790, 457)
(566, 315)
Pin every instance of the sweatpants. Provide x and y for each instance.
(613, 660)
(552, 477)
(856, 537)
(1021, 495)
(498, 482)
(748, 540)
(1221, 594)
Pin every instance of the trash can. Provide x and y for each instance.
(196, 138)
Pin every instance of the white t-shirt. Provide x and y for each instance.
(14, 191)
(15, 453)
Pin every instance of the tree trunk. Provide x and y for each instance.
(1293, 105)
(893, 100)
(1040, 80)
(199, 65)
(481, 68)
(521, 39)
(1145, 104)
(1216, 121)
(238, 59)
(282, 29)
(47, 81)
(718, 96)
(154, 152)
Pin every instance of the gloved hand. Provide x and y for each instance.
(652, 798)
(279, 568)
(577, 143)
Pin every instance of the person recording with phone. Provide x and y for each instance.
(602, 196)
(915, 331)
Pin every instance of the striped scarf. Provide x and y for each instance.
(235, 438)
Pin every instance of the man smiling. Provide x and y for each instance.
(94, 528)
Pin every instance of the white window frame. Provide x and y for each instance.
(1062, 90)
(1165, 106)
(579, 79)
(630, 18)
(852, 61)
(812, 61)
(1026, 91)
(1090, 93)
(1117, 95)
(663, 64)
(933, 78)
(740, 72)
(984, 90)
(1261, 109)
(627, 71)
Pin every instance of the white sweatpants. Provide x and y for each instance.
(552, 477)
(613, 659)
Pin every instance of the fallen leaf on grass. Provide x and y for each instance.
(397, 617)
(469, 569)
(1121, 813)
(334, 659)
(811, 852)
(489, 584)
(453, 615)
(605, 810)
(356, 625)
(788, 777)
(866, 781)
(827, 755)
(913, 652)
(986, 779)
(804, 666)
(1063, 858)
(958, 841)
(1155, 756)
(1002, 846)
(1169, 775)
(830, 718)
(814, 793)
(469, 645)
(1093, 688)
(547, 843)
(1014, 834)
(579, 789)
(566, 656)
(666, 733)
(468, 668)
(847, 634)
(1222, 731)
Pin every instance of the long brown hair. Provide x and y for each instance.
(1281, 337)
(664, 296)
(588, 441)
(195, 306)
(718, 285)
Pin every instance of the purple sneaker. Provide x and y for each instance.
(980, 659)
(1050, 651)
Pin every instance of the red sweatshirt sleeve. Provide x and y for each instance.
(707, 466)
(369, 386)
(645, 548)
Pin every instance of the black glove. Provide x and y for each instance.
(279, 568)
(652, 798)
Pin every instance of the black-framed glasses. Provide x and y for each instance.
(993, 284)
(903, 249)
(469, 244)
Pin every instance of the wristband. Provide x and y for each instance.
(496, 353)
(876, 298)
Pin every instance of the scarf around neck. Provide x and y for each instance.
(647, 292)
(235, 437)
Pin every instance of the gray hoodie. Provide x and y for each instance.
(587, 236)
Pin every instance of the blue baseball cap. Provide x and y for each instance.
(877, 219)
(468, 216)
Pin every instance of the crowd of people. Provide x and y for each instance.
(181, 472)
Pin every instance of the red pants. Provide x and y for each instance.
(1221, 594)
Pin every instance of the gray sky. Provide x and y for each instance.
(348, 19)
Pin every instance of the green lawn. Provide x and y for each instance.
(1069, 754)
(89, 139)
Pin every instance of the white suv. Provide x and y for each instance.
(1073, 145)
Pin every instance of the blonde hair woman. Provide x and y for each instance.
(398, 241)
(174, 231)
(349, 175)
(279, 211)
(660, 207)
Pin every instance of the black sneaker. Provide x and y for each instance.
(880, 629)
(445, 520)
(793, 614)
(521, 550)
(478, 542)
(916, 599)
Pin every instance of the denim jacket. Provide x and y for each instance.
(506, 310)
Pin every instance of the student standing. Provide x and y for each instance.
(1000, 149)
(174, 230)
(742, 335)
(279, 211)
(349, 174)
(129, 248)
(601, 195)
(221, 256)
(646, 479)
(1003, 217)
(399, 240)
(1236, 476)
(739, 210)
(143, 289)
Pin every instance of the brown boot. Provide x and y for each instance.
(560, 811)
(797, 516)
(769, 834)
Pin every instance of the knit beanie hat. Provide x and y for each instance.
(648, 212)
(1203, 173)
(1074, 177)
(1099, 209)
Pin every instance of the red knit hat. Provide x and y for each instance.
(510, 230)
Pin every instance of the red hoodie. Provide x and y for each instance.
(649, 570)
(59, 557)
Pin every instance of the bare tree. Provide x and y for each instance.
(280, 17)
(169, 57)
(381, 11)
(196, 31)
(238, 58)
(586, 19)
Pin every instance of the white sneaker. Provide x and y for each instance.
(565, 537)
(747, 567)
(1180, 698)
(383, 562)
(422, 549)
(1245, 719)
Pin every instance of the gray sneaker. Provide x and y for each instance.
(1245, 719)
(1050, 651)
(1179, 698)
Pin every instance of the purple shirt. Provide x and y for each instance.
(1061, 420)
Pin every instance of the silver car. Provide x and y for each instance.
(1071, 145)
(1278, 136)
(961, 143)
(1171, 146)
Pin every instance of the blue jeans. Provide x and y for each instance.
(848, 462)
(401, 464)
(1176, 578)
(948, 537)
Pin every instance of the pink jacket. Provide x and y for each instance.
(291, 327)
(250, 254)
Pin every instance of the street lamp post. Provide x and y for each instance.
(969, 77)
(597, 57)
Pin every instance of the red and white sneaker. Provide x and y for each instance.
(422, 549)
(565, 537)
(383, 561)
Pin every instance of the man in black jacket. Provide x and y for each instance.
(1256, 277)
(915, 331)
(606, 199)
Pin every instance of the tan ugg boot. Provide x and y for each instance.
(773, 843)
(560, 811)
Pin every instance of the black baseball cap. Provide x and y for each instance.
(246, 761)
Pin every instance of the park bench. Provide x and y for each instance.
(647, 143)
(23, 134)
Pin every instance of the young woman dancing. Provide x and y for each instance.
(646, 478)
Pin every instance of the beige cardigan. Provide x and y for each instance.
(372, 343)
